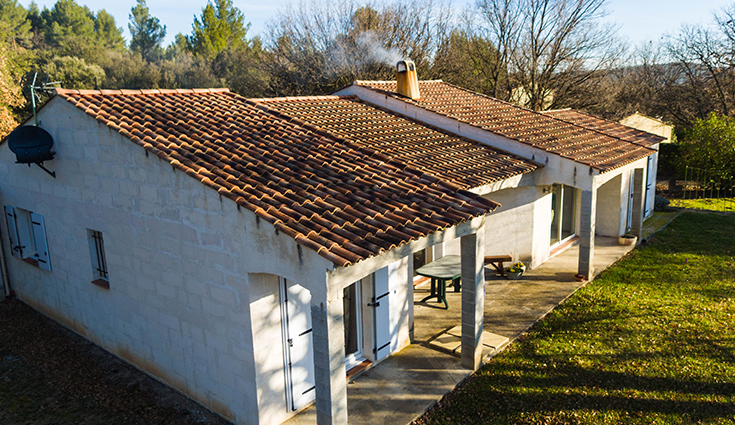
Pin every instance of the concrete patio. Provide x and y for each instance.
(404, 386)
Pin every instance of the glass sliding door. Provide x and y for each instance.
(563, 213)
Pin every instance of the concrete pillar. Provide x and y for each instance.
(473, 296)
(587, 221)
(329, 356)
(639, 193)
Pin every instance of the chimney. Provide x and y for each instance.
(408, 82)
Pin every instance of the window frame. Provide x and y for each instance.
(98, 258)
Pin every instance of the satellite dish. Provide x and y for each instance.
(31, 145)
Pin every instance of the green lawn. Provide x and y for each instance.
(713, 204)
(652, 340)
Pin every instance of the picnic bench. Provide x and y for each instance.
(497, 262)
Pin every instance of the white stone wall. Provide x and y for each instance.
(610, 197)
(519, 228)
(509, 229)
(541, 228)
(179, 257)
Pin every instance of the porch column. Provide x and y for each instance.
(473, 296)
(329, 357)
(639, 191)
(587, 221)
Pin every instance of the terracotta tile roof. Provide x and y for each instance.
(342, 200)
(580, 144)
(463, 162)
(611, 128)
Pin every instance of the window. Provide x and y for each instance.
(99, 261)
(563, 217)
(27, 233)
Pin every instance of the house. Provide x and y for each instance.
(650, 125)
(595, 178)
(230, 251)
(249, 252)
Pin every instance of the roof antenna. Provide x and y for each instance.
(33, 91)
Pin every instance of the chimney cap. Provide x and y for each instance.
(405, 65)
(407, 83)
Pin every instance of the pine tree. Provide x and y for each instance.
(14, 24)
(221, 26)
(146, 31)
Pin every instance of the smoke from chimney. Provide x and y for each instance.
(368, 41)
(366, 50)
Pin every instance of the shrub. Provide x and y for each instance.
(660, 203)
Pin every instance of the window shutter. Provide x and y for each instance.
(15, 247)
(39, 235)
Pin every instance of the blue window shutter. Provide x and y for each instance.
(39, 235)
(15, 247)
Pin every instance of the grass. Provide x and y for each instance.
(657, 221)
(650, 341)
(712, 204)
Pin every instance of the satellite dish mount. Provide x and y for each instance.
(30, 143)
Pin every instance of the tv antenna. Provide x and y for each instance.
(33, 89)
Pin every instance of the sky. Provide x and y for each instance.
(639, 20)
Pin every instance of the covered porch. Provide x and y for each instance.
(402, 387)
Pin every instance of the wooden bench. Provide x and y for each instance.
(497, 262)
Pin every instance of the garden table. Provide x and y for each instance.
(440, 271)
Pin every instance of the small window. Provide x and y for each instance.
(27, 232)
(99, 260)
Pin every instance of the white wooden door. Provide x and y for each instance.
(15, 249)
(39, 235)
(631, 194)
(381, 313)
(298, 344)
(650, 186)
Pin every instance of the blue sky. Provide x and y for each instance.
(639, 20)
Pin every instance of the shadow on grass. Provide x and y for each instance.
(504, 393)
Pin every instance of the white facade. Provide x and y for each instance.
(195, 283)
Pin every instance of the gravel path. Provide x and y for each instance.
(50, 375)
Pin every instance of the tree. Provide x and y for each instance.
(710, 144)
(14, 24)
(221, 25)
(462, 60)
(76, 31)
(67, 20)
(241, 70)
(704, 58)
(74, 72)
(109, 35)
(146, 32)
(321, 46)
(9, 94)
(547, 52)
